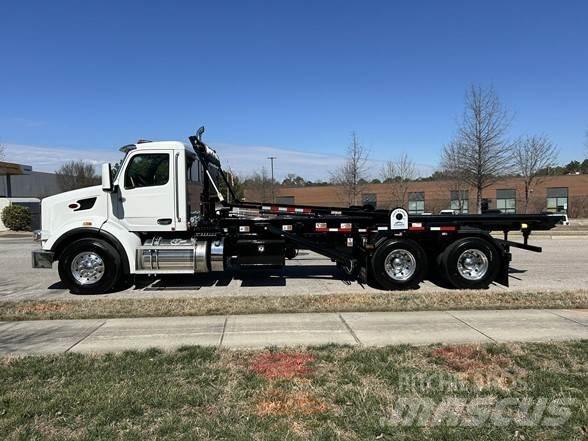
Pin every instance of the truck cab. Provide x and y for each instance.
(147, 193)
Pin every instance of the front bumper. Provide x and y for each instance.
(42, 258)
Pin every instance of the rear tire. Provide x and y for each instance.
(90, 266)
(398, 264)
(470, 263)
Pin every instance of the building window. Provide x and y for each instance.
(459, 201)
(416, 202)
(369, 199)
(506, 200)
(557, 199)
(286, 200)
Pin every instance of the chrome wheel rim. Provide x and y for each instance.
(472, 264)
(87, 268)
(400, 265)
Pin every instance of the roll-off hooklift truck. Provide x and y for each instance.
(139, 221)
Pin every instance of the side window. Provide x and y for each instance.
(147, 170)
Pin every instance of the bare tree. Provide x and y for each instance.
(398, 175)
(453, 164)
(258, 186)
(76, 174)
(2, 151)
(293, 180)
(350, 175)
(481, 140)
(531, 155)
(235, 182)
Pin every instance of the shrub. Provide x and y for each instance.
(16, 217)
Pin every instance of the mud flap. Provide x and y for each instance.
(502, 277)
(364, 271)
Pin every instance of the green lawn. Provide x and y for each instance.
(384, 301)
(330, 392)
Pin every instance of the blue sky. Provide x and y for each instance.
(287, 78)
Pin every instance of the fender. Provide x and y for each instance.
(84, 232)
(128, 240)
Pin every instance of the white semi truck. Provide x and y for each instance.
(139, 221)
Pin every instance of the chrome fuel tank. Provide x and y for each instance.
(180, 256)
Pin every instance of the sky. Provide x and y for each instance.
(291, 79)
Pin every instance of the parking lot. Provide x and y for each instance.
(563, 265)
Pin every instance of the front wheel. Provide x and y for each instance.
(398, 264)
(90, 266)
(470, 263)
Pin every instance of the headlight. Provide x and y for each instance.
(37, 235)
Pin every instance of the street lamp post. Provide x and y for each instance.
(271, 158)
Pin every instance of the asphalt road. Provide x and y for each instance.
(258, 331)
(563, 265)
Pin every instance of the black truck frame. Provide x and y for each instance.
(387, 248)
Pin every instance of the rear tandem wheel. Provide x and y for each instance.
(398, 264)
(470, 263)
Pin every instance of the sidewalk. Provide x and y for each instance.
(258, 331)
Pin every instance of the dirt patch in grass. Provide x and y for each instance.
(275, 401)
(275, 365)
(41, 308)
(465, 358)
(476, 364)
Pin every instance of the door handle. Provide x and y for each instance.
(165, 221)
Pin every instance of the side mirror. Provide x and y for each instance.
(106, 177)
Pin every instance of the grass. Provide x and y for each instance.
(329, 392)
(389, 301)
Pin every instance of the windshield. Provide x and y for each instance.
(115, 168)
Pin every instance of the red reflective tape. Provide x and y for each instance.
(448, 228)
(416, 228)
(291, 210)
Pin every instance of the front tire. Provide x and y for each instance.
(90, 266)
(470, 263)
(398, 264)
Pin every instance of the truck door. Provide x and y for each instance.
(146, 199)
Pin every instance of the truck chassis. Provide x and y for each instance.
(386, 248)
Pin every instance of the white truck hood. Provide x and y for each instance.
(83, 206)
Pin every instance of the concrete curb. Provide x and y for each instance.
(16, 234)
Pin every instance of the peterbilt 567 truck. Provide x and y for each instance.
(139, 221)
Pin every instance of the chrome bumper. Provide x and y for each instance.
(42, 259)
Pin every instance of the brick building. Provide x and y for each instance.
(553, 193)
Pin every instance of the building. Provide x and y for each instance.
(32, 185)
(567, 193)
(19, 185)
